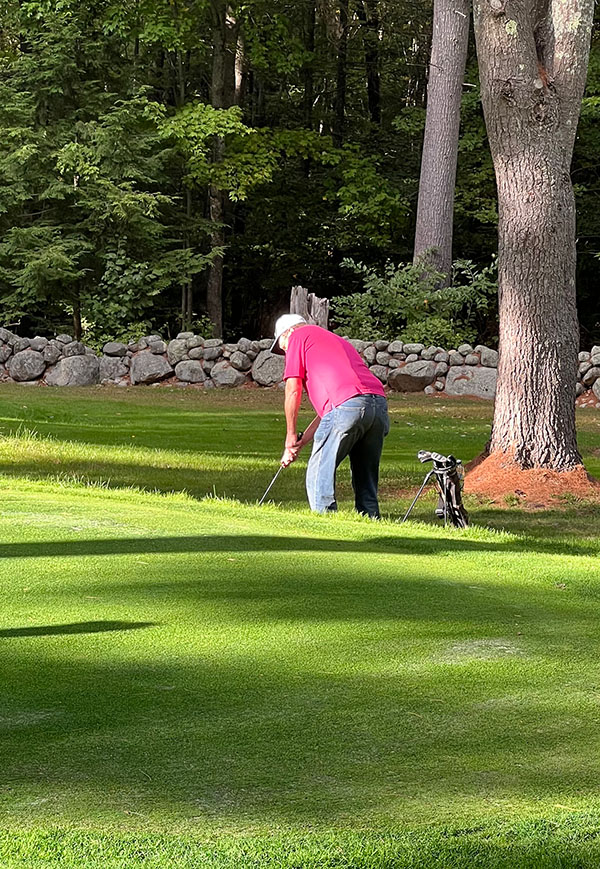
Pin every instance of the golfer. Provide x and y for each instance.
(352, 418)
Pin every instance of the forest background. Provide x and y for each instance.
(167, 165)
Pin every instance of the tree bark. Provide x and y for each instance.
(180, 91)
(309, 306)
(310, 23)
(368, 15)
(435, 210)
(77, 324)
(223, 95)
(533, 62)
(339, 109)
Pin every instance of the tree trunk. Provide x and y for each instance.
(435, 210)
(533, 62)
(223, 95)
(180, 91)
(187, 292)
(309, 306)
(339, 109)
(214, 289)
(368, 15)
(310, 24)
(77, 324)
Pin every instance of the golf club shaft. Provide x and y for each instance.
(269, 487)
(279, 470)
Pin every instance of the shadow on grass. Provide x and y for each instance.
(227, 739)
(73, 628)
(576, 520)
(243, 484)
(301, 695)
(272, 543)
(248, 485)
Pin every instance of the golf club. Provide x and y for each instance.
(279, 470)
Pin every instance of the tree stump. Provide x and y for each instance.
(314, 310)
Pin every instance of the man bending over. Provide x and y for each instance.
(352, 418)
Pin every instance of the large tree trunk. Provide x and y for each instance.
(435, 211)
(533, 61)
(214, 288)
(225, 88)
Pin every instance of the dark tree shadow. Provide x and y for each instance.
(74, 628)
(266, 543)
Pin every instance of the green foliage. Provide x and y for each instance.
(369, 204)
(475, 199)
(108, 143)
(247, 157)
(83, 212)
(96, 335)
(202, 325)
(406, 301)
(272, 41)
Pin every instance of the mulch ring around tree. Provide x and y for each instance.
(498, 476)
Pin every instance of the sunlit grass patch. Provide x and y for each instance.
(191, 680)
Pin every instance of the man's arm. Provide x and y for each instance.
(309, 433)
(292, 401)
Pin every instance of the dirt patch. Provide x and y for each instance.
(499, 476)
(588, 399)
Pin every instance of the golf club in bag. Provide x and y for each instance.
(447, 473)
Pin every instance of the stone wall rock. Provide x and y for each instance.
(190, 371)
(192, 359)
(26, 365)
(224, 374)
(488, 357)
(74, 348)
(74, 371)
(115, 348)
(467, 380)
(51, 354)
(380, 372)
(267, 368)
(147, 367)
(113, 368)
(177, 350)
(413, 376)
(240, 360)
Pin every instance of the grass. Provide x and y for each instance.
(193, 681)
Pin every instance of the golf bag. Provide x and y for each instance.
(447, 474)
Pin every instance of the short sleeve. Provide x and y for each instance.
(294, 357)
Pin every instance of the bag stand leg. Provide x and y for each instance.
(418, 495)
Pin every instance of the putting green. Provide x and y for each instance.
(197, 681)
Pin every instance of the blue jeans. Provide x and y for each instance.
(356, 428)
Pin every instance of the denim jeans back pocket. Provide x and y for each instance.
(347, 416)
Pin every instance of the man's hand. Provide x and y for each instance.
(293, 445)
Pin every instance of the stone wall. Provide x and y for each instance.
(191, 360)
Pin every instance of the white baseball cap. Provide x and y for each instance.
(284, 323)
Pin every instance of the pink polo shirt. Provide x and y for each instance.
(330, 368)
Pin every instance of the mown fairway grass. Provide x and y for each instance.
(192, 681)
